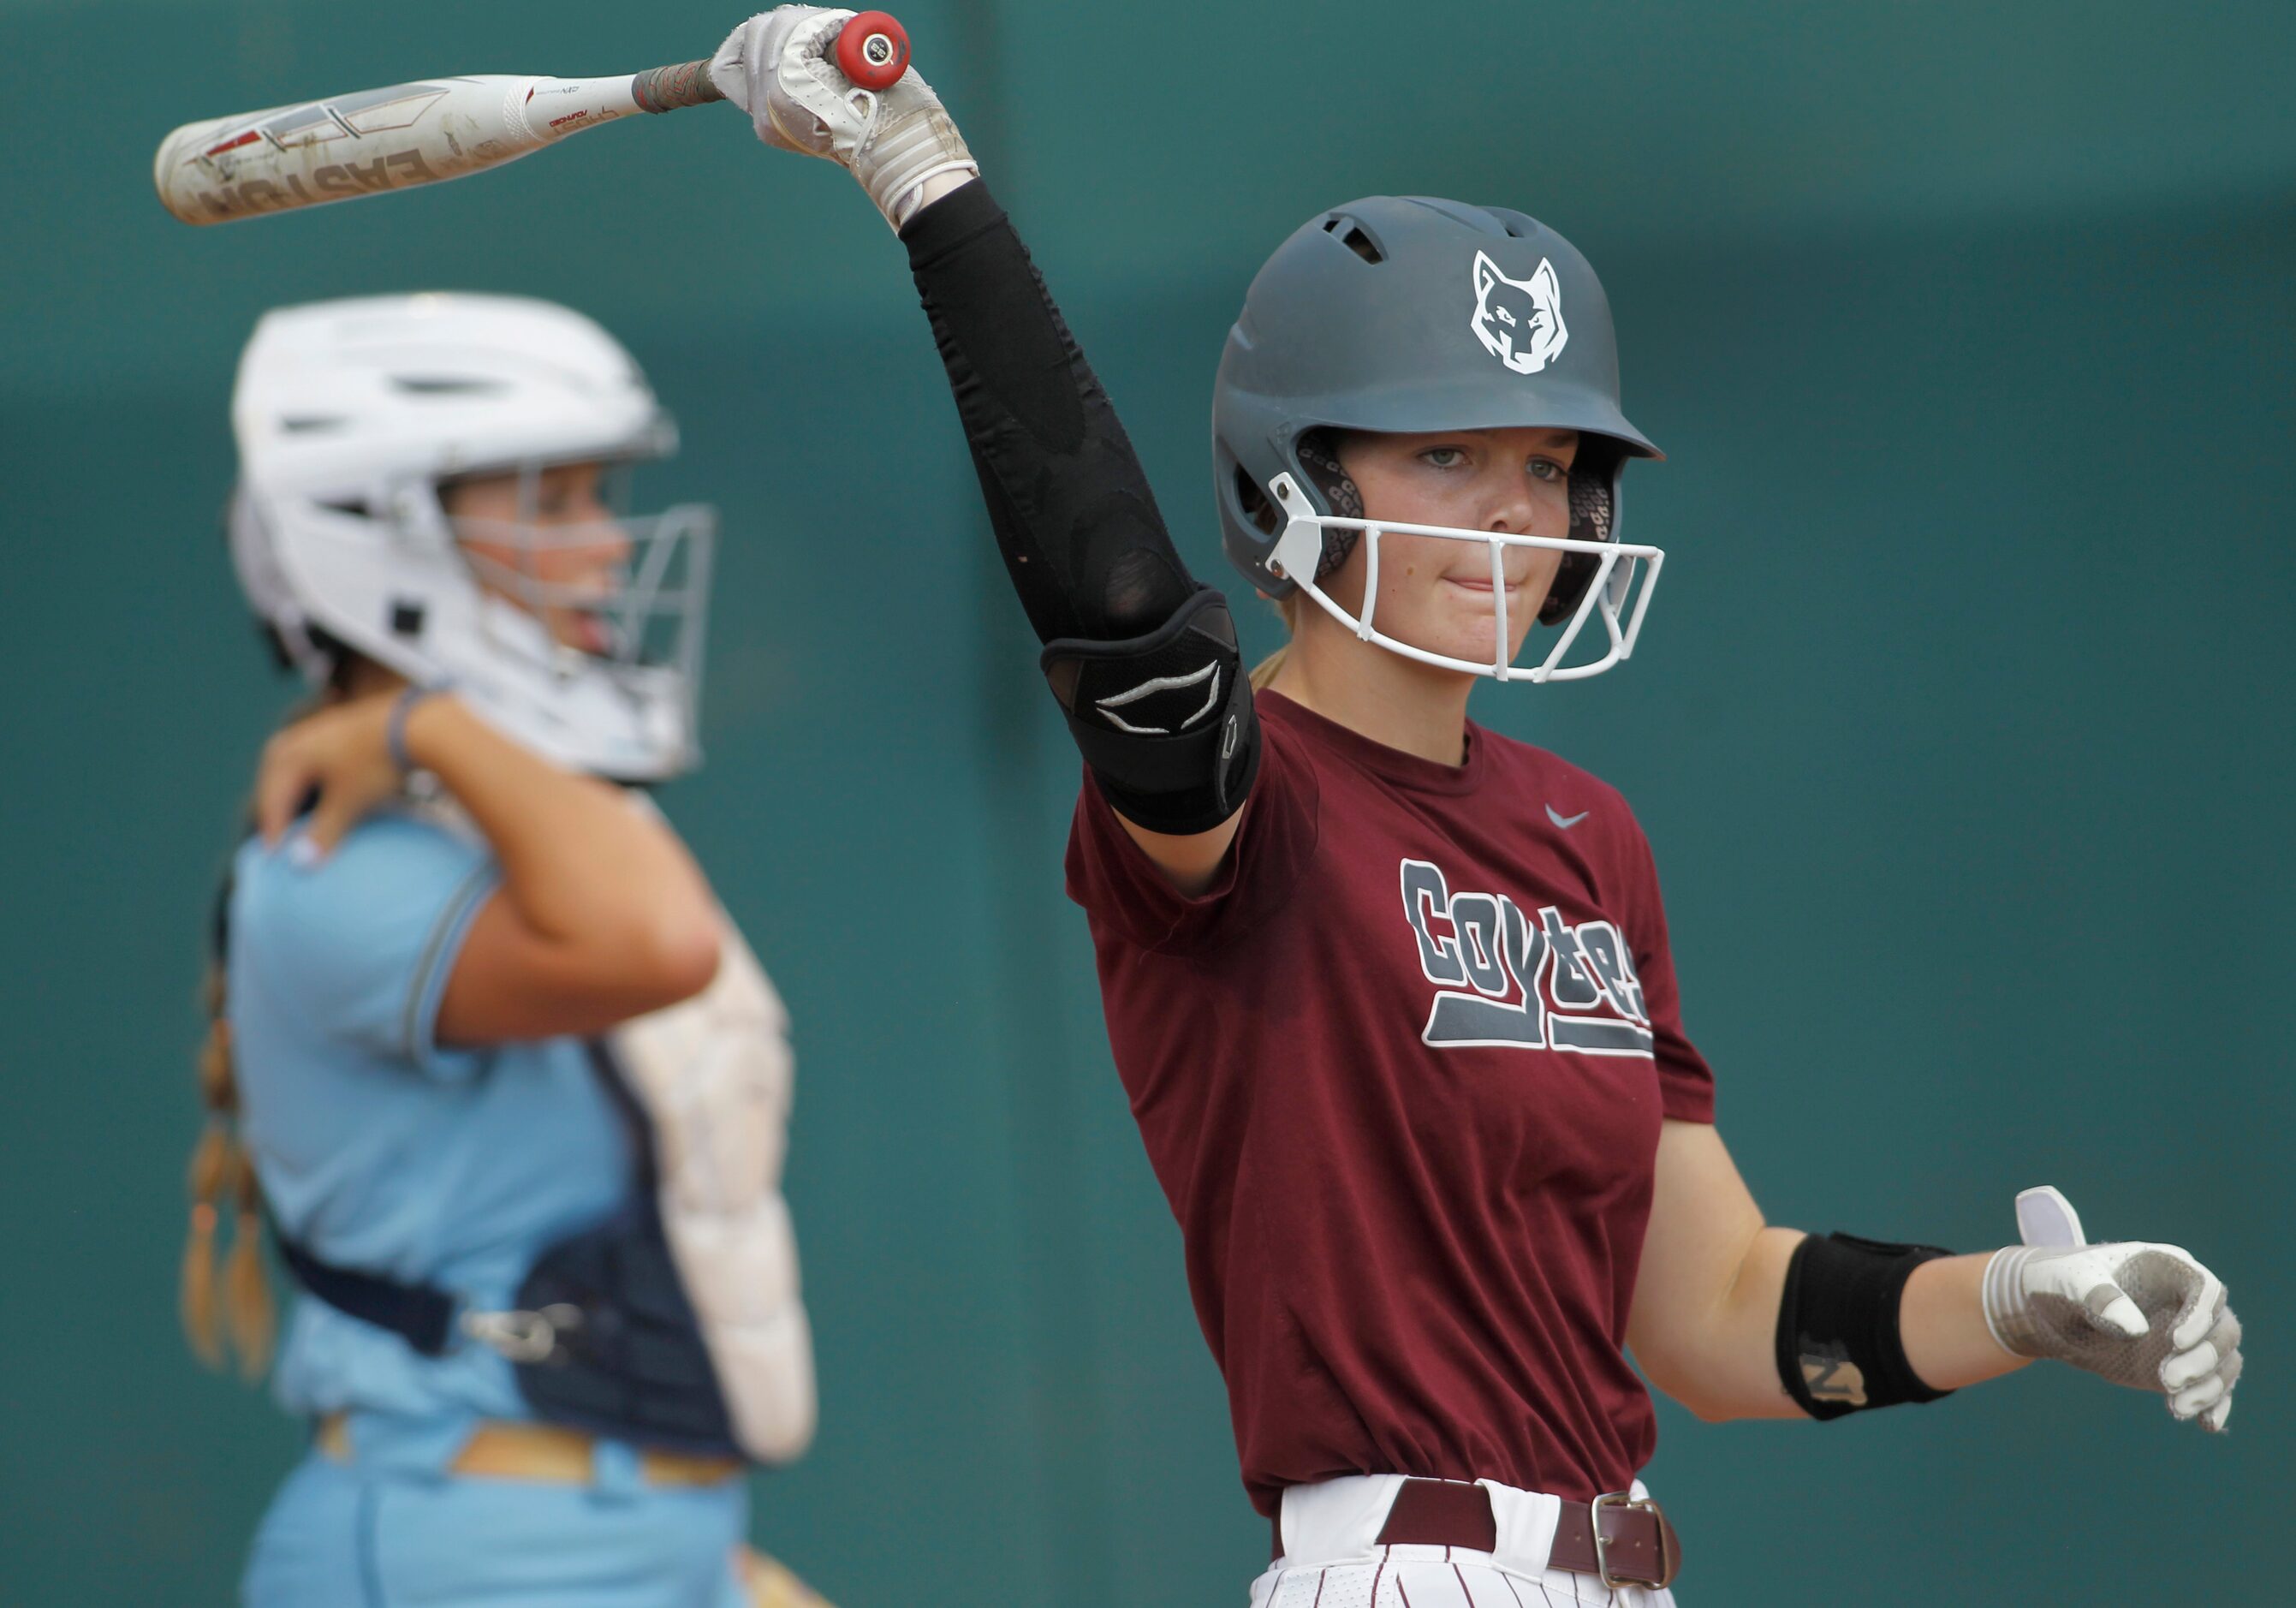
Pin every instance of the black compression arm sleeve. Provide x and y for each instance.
(1145, 661)
(1071, 508)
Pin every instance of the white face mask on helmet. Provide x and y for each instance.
(1610, 595)
(351, 414)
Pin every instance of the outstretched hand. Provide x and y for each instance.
(2147, 1316)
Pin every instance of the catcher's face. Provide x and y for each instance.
(546, 540)
(1436, 593)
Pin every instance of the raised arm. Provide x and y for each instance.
(1143, 658)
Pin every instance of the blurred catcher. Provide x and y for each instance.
(504, 1078)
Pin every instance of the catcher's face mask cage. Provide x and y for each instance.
(623, 596)
(1611, 594)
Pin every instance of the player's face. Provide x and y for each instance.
(1437, 594)
(577, 551)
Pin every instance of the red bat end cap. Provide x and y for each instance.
(873, 51)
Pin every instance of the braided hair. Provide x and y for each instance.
(225, 1303)
(228, 1304)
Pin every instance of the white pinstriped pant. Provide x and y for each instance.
(1332, 1558)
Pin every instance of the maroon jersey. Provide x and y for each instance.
(1401, 1072)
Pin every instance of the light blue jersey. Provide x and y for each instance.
(381, 1150)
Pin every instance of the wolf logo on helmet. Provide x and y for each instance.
(1539, 326)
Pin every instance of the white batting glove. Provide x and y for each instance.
(2140, 1315)
(778, 67)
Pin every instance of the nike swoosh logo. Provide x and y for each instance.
(1566, 821)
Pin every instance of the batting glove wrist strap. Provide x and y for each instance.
(2008, 1315)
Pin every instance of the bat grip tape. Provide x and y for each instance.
(670, 88)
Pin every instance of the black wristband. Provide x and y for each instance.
(1838, 1347)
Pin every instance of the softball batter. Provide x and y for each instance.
(508, 1084)
(1391, 994)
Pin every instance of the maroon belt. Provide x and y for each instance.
(1623, 1540)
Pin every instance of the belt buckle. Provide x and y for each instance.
(1627, 1499)
(527, 1337)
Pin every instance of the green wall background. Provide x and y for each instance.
(1962, 727)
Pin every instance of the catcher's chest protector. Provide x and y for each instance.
(688, 1328)
(675, 1322)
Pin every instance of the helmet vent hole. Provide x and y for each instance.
(405, 618)
(357, 507)
(445, 385)
(304, 424)
(1358, 239)
(1257, 508)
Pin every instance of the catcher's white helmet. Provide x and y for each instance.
(350, 414)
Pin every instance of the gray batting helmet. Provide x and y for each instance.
(1408, 314)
